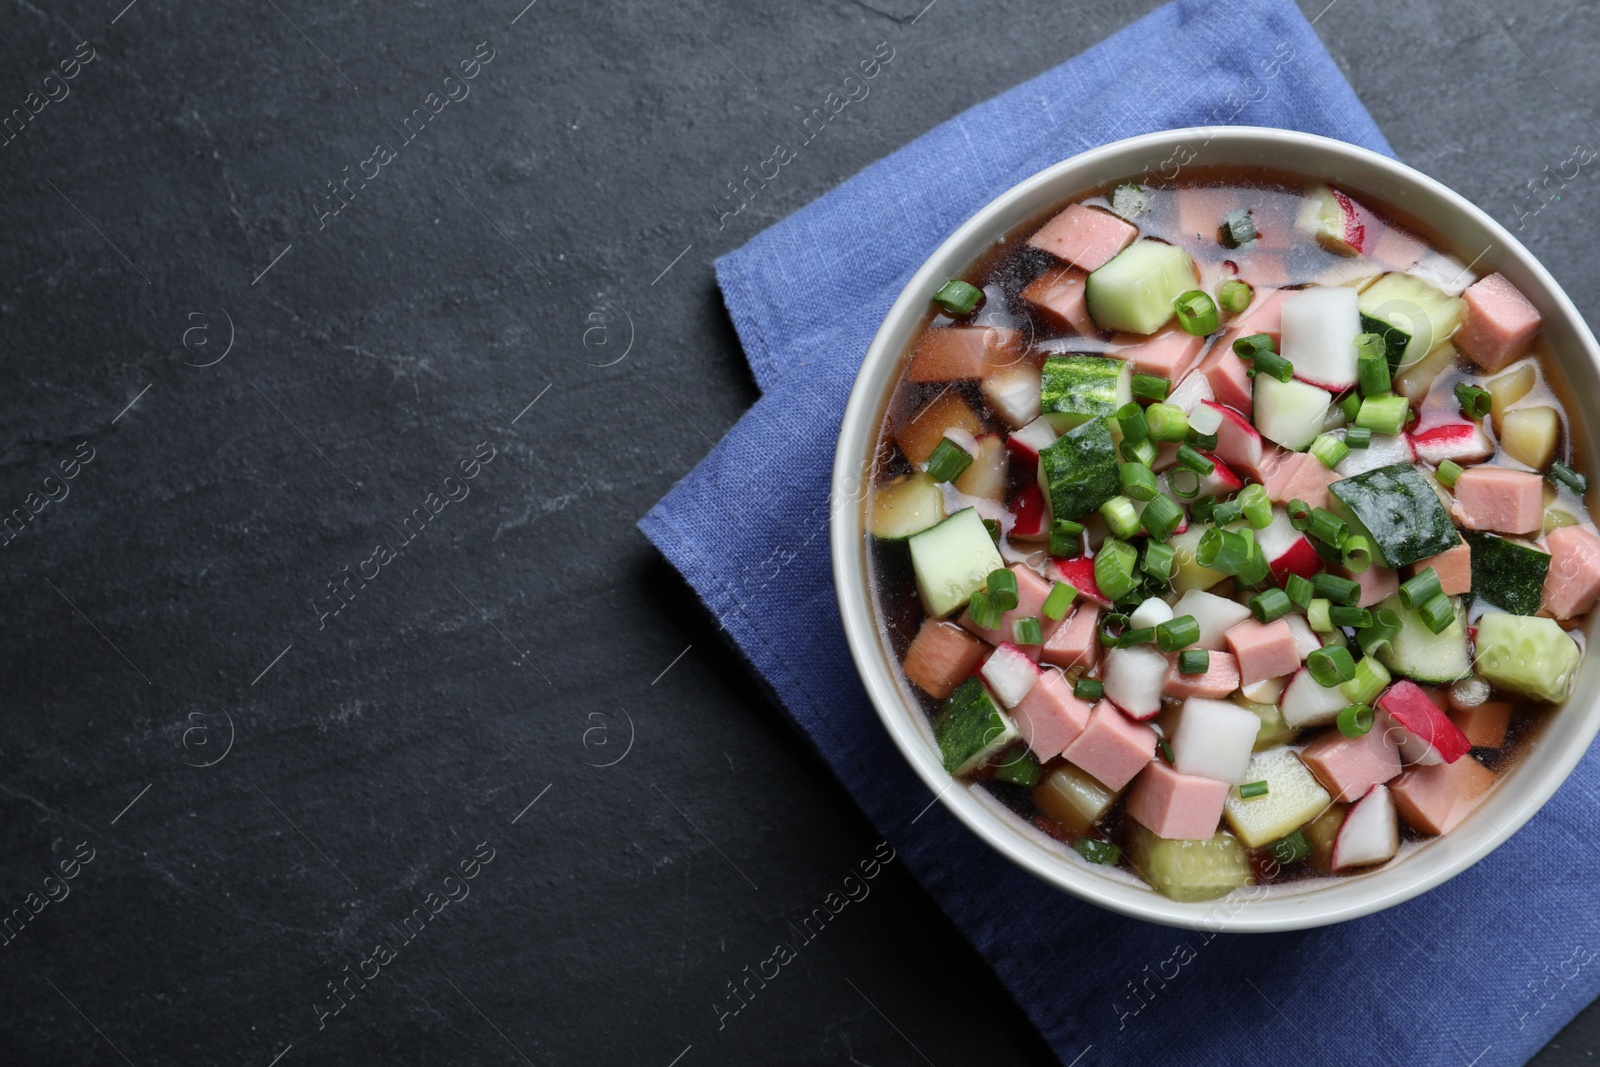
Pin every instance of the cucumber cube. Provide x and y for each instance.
(1418, 653)
(1527, 655)
(1189, 870)
(1135, 290)
(971, 728)
(1289, 413)
(1508, 574)
(952, 560)
(1079, 471)
(1413, 317)
(1075, 389)
(1399, 511)
(1294, 797)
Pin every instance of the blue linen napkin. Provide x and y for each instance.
(1481, 971)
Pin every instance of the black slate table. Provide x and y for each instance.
(348, 717)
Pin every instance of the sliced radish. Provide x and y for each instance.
(1266, 691)
(1189, 393)
(1425, 734)
(1370, 832)
(1032, 439)
(1320, 327)
(1010, 674)
(1215, 614)
(1339, 224)
(1290, 413)
(1288, 550)
(1383, 451)
(1238, 442)
(1221, 482)
(1133, 678)
(985, 476)
(1152, 612)
(1030, 514)
(1013, 394)
(1306, 703)
(1464, 442)
(1206, 417)
(1306, 640)
(1077, 572)
(1213, 739)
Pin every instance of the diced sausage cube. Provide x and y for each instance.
(1484, 724)
(941, 657)
(1263, 650)
(1499, 499)
(1438, 798)
(1176, 806)
(1377, 583)
(1229, 379)
(1349, 766)
(1572, 584)
(1220, 678)
(1076, 641)
(1060, 295)
(919, 435)
(1298, 476)
(958, 353)
(1050, 718)
(1031, 593)
(1112, 748)
(1500, 323)
(1167, 353)
(1453, 566)
(1084, 236)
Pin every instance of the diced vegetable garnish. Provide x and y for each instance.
(1079, 388)
(971, 728)
(1189, 870)
(959, 298)
(1507, 573)
(1412, 316)
(1397, 509)
(908, 505)
(1528, 655)
(1079, 471)
(1529, 434)
(1419, 652)
(952, 560)
(1293, 798)
(1135, 290)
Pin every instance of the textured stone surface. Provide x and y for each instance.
(559, 218)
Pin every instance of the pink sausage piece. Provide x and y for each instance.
(1167, 353)
(1086, 237)
(1572, 584)
(941, 657)
(1176, 806)
(1031, 591)
(1061, 295)
(1453, 566)
(1349, 766)
(1050, 717)
(1299, 476)
(1438, 798)
(1076, 642)
(1500, 323)
(1220, 679)
(1263, 650)
(1499, 499)
(1112, 748)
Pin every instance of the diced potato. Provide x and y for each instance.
(1187, 573)
(1321, 831)
(1529, 434)
(1073, 799)
(1556, 517)
(1294, 797)
(986, 475)
(1274, 731)
(1413, 382)
(1510, 386)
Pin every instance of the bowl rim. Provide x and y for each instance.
(1329, 901)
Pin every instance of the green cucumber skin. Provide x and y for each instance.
(1507, 574)
(1527, 654)
(966, 725)
(1422, 655)
(1399, 511)
(1080, 385)
(1080, 470)
(1394, 340)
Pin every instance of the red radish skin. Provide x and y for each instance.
(1370, 833)
(1238, 443)
(1010, 674)
(1078, 572)
(1425, 734)
(1462, 442)
(1352, 232)
(1031, 515)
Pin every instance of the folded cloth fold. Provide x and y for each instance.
(1482, 970)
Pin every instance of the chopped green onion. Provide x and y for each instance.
(1121, 517)
(1563, 474)
(1272, 365)
(1237, 229)
(1113, 568)
(1150, 387)
(993, 526)
(1112, 626)
(1162, 517)
(1372, 346)
(1256, 569)
(1061, 596)
(1102, 852)
(1371, 678)
(1225, 511)
(1203, 509)
(1205, 441)
(984, 612)
(1248, 348)
(1138, 481)
(1027, 630)
(1337, 589)
(1300, 515)
(1349, 404)
(1194, 661)
(1383, 629)
(1088, 689)
(1189, 459)
(1475, 402)
(1222, 550)
(1184, 483)
(1167, 422)
(1450, 471)
(1329, 450)
(1129, 200)
(1355, 720)
(1066, 537)
(1142, 635)
(1270, 605)
(1319, 613)
(1387, 414)
(1327, 527)
(1165, 750)
(1252, 790)
(1021, 769)
(1290, 849)
(948, 461)
(1345, 615)
(1356, 553)
(1157, 562)
(1358, 437)
(1438, 613)
(1177, 633)
(1131, 421)
(1372, 372)
(958, 297)
(1421, 587)
(1300, 591)
(1143, 452)
(1197, 313)
(1330, 666)
(1257, 509)
(1235, 295)
(1002, 589)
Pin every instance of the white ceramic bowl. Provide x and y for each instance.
(1369, 176)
